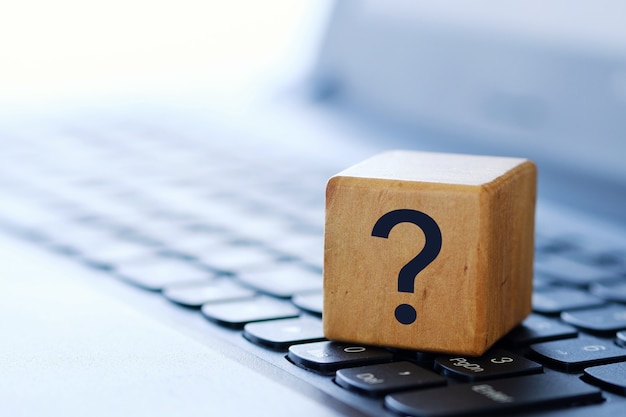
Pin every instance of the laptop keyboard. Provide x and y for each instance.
(235, 231)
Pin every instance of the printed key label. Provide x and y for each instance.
(504, 359)
(463, 363)
(370, 378)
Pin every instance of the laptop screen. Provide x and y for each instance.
(546, 80)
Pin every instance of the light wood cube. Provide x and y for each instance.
(429, 251)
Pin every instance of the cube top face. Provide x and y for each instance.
(430, 167)
(436, 259)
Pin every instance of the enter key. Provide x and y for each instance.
(499, 396)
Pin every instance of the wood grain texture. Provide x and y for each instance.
(479, 285)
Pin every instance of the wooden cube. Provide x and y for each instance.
(429, 251)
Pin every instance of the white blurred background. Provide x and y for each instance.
(66, 50)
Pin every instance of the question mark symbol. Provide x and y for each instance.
(405, 313)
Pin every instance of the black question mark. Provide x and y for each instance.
(405, 313)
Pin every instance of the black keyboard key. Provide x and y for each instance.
(537, 329)
(327, 357)
(621, 339)
(557, 300)
(236, 314)
(192, 245)
(610, 291)
(156, 273)
(309, 248)
(501, 396)
(610, 258)
(496, 363)
(312, 303)
(603, 320)
(381, 379)
(115, 253)
(571, 271)
(196, 294)
(573, 355)
(160, 231)
(545, 245)
(283, 281)
(280, 334)
(237, 258)
(74, 239)
(611, 377)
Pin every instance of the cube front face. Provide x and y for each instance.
(421, 245)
